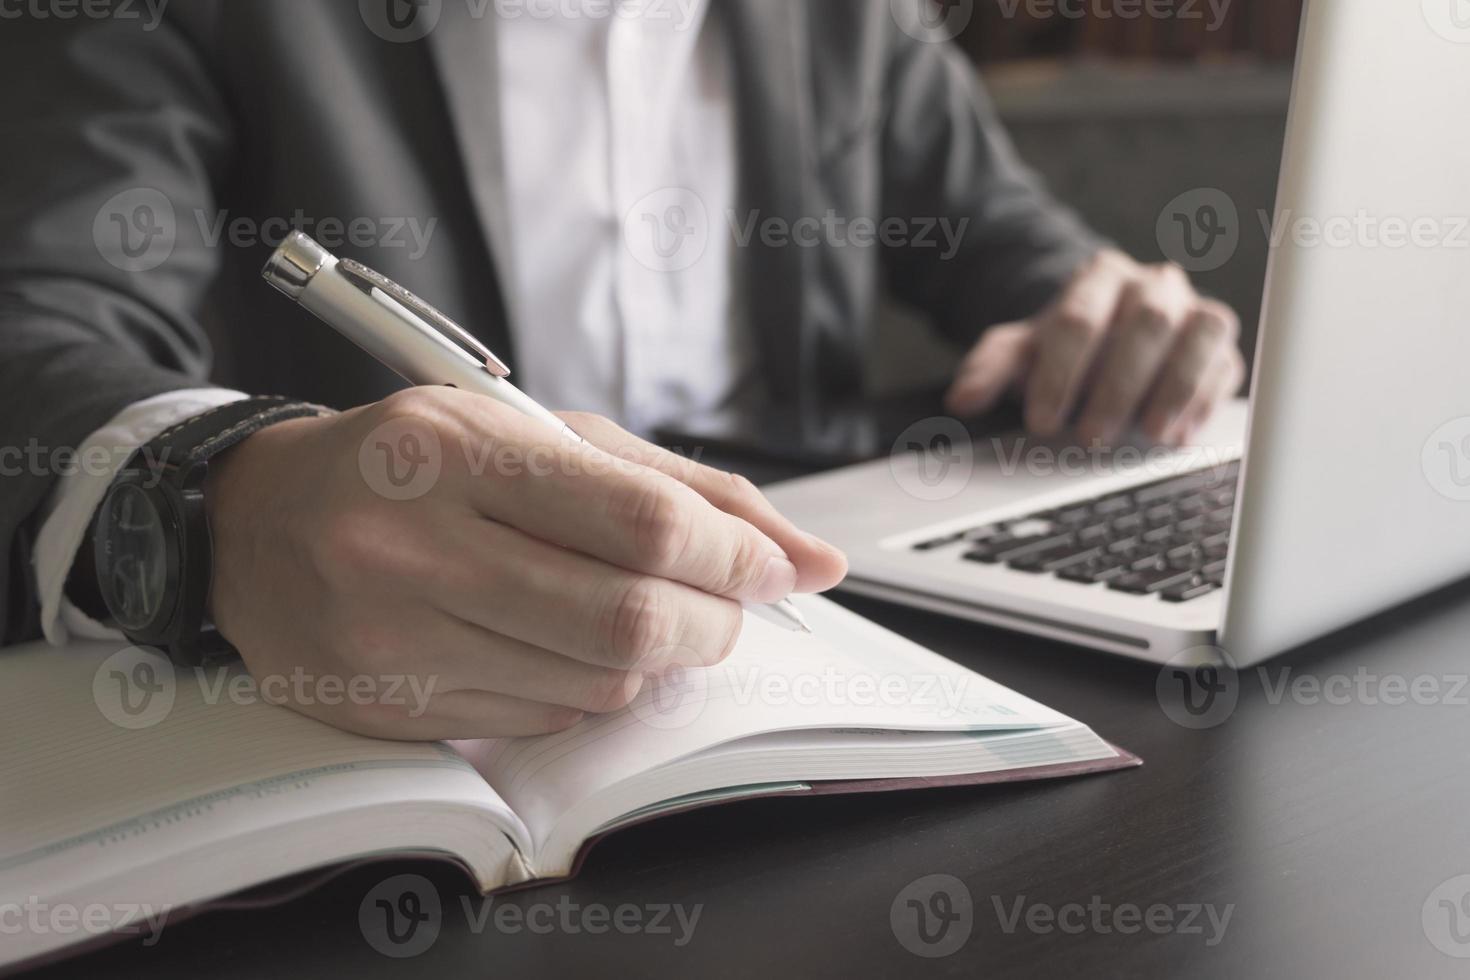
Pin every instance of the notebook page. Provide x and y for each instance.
(77, 784)
(848, 674)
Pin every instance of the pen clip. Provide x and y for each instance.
(446, 327)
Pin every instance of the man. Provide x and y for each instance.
(650, 209)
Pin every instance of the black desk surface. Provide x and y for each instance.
(1330, 826)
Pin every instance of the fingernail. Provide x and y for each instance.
(778, 581)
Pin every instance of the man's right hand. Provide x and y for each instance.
(441, 535)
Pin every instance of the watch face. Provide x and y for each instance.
(132, 556)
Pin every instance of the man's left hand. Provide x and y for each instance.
(1126, 344)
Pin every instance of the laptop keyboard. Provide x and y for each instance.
(1168, 538)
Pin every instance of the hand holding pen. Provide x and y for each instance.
(424, 346)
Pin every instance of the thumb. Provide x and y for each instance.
(999, 360)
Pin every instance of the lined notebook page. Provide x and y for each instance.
(72, 778)
(849, 674)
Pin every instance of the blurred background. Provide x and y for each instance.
(1123, 115)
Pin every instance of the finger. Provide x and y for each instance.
(1224, 381)
(1209, 333)
(1150, 312)
(998, 361)
(819, 565)
(1068, 339)
(509, 583)
(468, 657)
(580, 497)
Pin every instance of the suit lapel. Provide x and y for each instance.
(464, 52)
(768, 39)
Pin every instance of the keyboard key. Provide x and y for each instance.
(1093, 572)
(1150, 581)
(948, 539)
(1195, 588)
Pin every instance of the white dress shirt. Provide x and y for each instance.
(619, 136)
(620, 165)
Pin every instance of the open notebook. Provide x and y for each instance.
(206, 794)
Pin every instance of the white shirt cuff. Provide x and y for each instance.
(68, 510)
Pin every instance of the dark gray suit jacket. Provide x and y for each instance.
(260, 109)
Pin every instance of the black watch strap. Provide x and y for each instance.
(178, 456)
(178, 449)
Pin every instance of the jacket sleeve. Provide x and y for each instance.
(948, 159)
(113, 139)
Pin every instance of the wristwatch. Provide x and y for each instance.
(152, 549)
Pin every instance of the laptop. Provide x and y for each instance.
(1340, 491)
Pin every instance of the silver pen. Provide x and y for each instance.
(418, 342)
